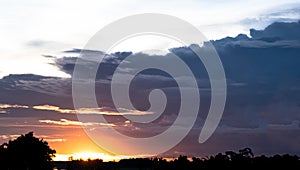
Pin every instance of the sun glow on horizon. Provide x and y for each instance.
(86, 155)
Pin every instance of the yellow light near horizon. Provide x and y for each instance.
(88, 155)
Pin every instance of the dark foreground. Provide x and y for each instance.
(244, 159)
(30, 153)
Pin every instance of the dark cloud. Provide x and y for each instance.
(38, 43)
(49, 56)
(262, 108)
(45, 44)
(74, 50)
(278, 31)
(66, 64)
(29, 82)
(258, 69)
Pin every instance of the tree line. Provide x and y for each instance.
(244, 159)
(30, 153)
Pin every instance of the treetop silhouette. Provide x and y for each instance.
(26, 152)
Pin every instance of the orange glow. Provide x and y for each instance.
(88, 155)
(78, 145)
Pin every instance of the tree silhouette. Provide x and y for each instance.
(230, 160)
(246, 152)
(26, 153)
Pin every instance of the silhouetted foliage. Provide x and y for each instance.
(87, 165)
(244, 159)
(26, 153)
(30, 153)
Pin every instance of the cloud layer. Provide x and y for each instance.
(262, 109)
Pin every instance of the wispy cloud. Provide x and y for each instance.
(8, 106)
(51, 138)
(56, 140)
(44, 137)
(108, 111)
(10, 137)
(100, 110)
(53, 108)
(66, 122)
(2, 111)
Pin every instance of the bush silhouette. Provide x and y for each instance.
(26, 153)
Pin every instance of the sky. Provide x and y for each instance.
(41, 40)
(34, 28)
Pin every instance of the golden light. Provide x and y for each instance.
(53, 108)
(88, 155)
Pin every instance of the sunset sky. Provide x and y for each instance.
(258, 43)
